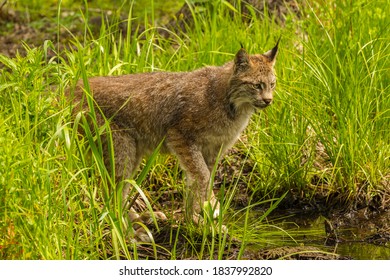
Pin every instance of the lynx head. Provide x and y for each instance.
(253, 79)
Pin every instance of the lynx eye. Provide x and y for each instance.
(273, 85)
(259, 86)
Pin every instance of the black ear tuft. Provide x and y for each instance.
(271, 54)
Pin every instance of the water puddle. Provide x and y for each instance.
(352, 235)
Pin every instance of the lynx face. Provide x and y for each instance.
(253, 80)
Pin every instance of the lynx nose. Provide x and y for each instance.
(267, 100)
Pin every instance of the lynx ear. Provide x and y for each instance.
(241, 61)
(271, 54)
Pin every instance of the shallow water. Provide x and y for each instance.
(355, 238)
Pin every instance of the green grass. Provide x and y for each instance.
(161, 10)
(327, 130)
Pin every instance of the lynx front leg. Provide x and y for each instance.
(198, 175)
(212, 157)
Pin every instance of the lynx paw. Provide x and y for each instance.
(199, 220)
(210, 214)
(212, 206)
(139, 223)
(141, 235)
(147, 217)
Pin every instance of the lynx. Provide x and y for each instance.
(198, 115)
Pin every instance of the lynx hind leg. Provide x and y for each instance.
(127, 159)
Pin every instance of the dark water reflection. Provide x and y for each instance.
(360, 239)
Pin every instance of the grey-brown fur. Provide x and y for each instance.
(198, 113)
